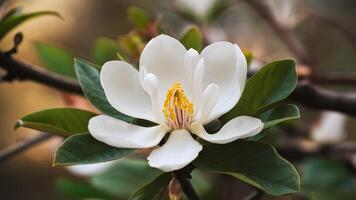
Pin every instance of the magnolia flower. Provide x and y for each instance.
(179, 90)
(330, 129)
(199, 8)
(87, 170)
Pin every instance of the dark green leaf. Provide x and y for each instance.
(153, 190)
(125, 177)
(59, 121)
(80, 190)
(326, 179)
(325, 174)
(105, 49)
(253, 162)
(272, 84)
(84, 149)
(139, 17)
(56, 59)
(89, 80)
(15, 20)
(192, 38)
(280, 114)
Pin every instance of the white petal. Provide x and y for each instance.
(331, 128)
(163, 56)
(121, 134)
(191, 60)
(122, 88)
(198, 82)
(237, 128)
(176, 153)
(225, 65)
(208, 102)
(87, 170)
(151, 84)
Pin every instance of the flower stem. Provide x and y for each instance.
(183, 176)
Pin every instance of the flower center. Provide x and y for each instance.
(177, 108)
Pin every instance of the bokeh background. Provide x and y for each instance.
(31, 176)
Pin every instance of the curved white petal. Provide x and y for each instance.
(179, 150)
(122, 88)
(121, 134)
(208, 102)
(87, 170)
(237, 128)
(151, 85)
(226, 66)
(164, 56)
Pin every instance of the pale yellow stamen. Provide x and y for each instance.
(177, 108)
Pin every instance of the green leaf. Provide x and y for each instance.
(56, 59)
(125, 177)
(14, 20)
(60, 121)
(89, 80)
(192, 38)
(105, 49)
(153, 190)
(253, 162)
(84, 149)
(321, 174)
(280, 114)
(326, 179)
(139, 17)
(80, 190)
(272, 84)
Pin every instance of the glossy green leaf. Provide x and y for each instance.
(326, 179)
(59, 121)
(89, 79)
(139, 17)
(80, 190)
(84, 149)
(56, 59)
(14, 20)
(152, 190)
(125, 177)
(192, 38)
(253, 162)
(272, 84)
(279, 115)
(105, 49)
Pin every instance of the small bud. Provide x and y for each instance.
(174, 190)
(18, 39)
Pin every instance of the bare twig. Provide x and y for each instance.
(18, 70)
(183, 176)
(15, 149)
(316, 97)
(349, 34)
(256, 195)
(289, 39)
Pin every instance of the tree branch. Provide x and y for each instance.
(183, 176)
(18, 70)
(256, 195)
(316, 97)
(288, 38)
(20, 147)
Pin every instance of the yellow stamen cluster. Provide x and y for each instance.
(177, 108)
